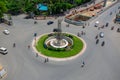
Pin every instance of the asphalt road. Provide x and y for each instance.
(101, 63)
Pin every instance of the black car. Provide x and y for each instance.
(56, 30)
(50, 22)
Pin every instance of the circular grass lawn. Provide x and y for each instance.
(76, 48)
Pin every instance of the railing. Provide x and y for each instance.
(78, 23)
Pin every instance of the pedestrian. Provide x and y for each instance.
(103, 43)
(83, 26)
(14, 45)
(88, 24)
(82, 32)
(35, 34)
(99, 28)
(110, 13)
(28, 46)
(107, 24)
(35, 22)
(67, 25)
(112, 27)
(78, 34)
(118, 30)
(97, 41)
(102, 27)
(45, 60)
(36, 54)
(83, 64)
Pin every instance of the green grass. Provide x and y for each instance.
(77, 47)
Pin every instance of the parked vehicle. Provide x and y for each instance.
(3, 50)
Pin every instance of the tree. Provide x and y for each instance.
(78, 2)
(54, 6)
(3, 8)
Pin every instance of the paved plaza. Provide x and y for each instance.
(101, 62)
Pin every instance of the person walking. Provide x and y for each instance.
(99, 28)
(28, 46)
(82, 32)
(14, 45)
(36, 54)
(83, 26)
(112, 28)
(45, 60)
(78, 34)
(107, 24)
(102, 27)
(117, 29)
(35, 22)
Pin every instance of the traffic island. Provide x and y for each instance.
(71, 51)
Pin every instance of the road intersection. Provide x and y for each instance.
(101, 63)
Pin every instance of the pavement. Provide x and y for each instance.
(101, 63)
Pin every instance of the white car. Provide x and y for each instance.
(3, 50)
(96, 23)
(101, 34)
(6, 32)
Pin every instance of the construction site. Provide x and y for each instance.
(78, 15)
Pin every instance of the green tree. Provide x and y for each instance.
(78, 2)
(54, 6)
(3, 8)
(14, 6)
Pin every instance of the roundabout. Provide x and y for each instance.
(21, 63)
(59, 46)
(59, 54)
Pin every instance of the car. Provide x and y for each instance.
(2, 72)
(96, 23)
(101, 34)
(50, 22)
(56, 30)
(6, 32)
(3, 50)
